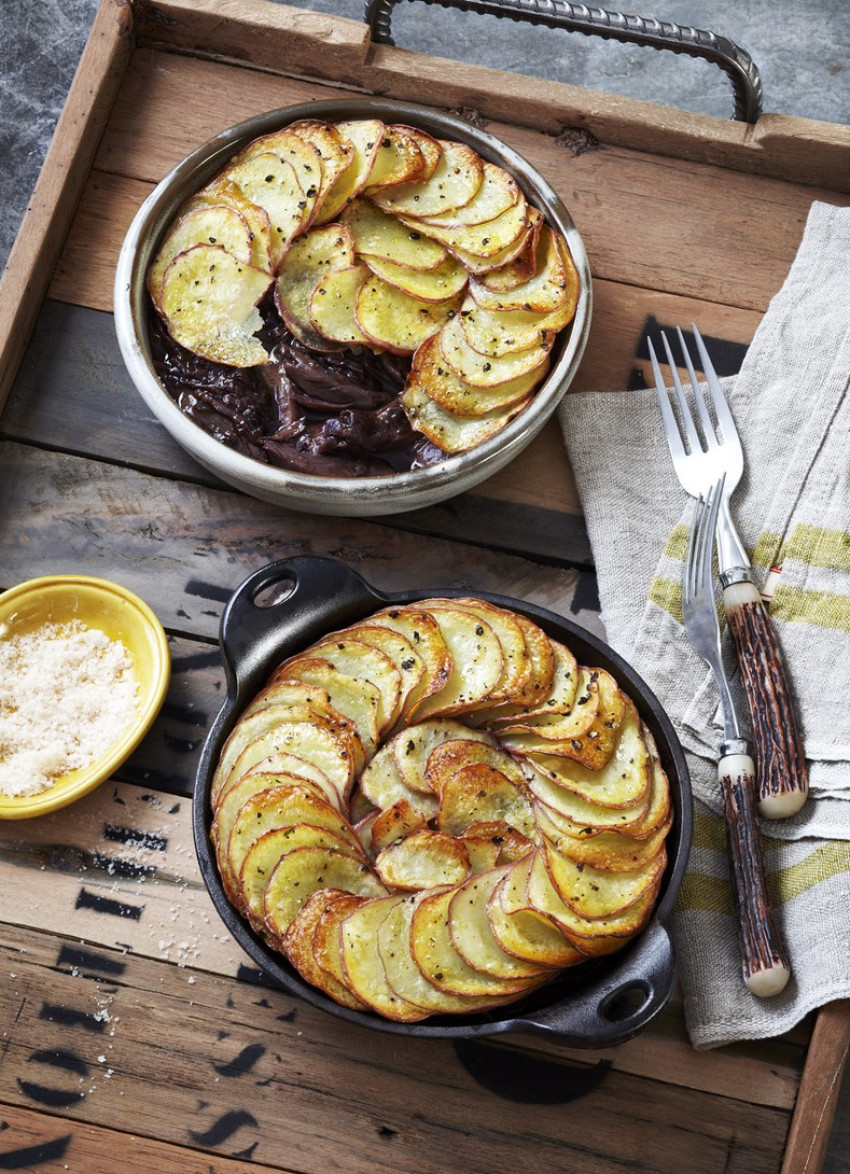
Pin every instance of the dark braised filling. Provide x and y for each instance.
(329, 413)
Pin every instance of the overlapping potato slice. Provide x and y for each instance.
(255, 783)
(423, 860)
(555, 686)
(541, 732)
(212, 225)
(443, 283)
(455, 433)
(448, 759)
(429, 146)
(523, 931)
(413, 747)
(431, 378)
(265, 853)
(304, 871)
(383, 785)
(333, 302)
(394, 823)
(327, 941)
(480, 240)
(301, 155)
(477, 263)
(353, 697)
(394, 320)
(298, 943)
(398, 160)
(477, 660)
(222, 191)
(356, 658)
(478, 794)
(594, 746)
(594, 893)
(423, 632)
(364, 137)
(362, 966)
(472, 932)
(498, 192)
(439, 960)
(335, 152)
(607, 851)
(400, 649)
(271, 182)
(488, 370)
(209, 301)
(378, 234)
(544, 290)
(452, 185)
(504, 332)
(307, 260)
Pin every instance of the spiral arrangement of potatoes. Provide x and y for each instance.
(436, 810)
(380, 236)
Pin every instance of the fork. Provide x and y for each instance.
(764, 962)
(700, 456)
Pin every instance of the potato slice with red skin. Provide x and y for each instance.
(297, 943)
(327, 941)
(487, 370)
(214, 224)
(559, 685)
(304, 264)
(606, 851)
(432, 378)
(447, 760)
(423, 860)
(413, 747)
(356, 658)
(502, 332)
(378, 234)
(595, 745)
(521, 930)
(305, 871)
(498, 192)
(477, 661)
(512, 844)
(517, 666)
(398, 160)
(543, 292)
(593, 893)
(472, 934)
(364, 137)
(557, 726)
(209, 299)
(361, 961)
(332, 304)
(265, 853)
(301, 155)
(477, 263)
(447, 280)
(430, 147)
(453, 184)
(452, 433)
(396, 321)
(506, 272)
(483, 241)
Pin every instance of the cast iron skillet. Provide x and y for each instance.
(285, 606)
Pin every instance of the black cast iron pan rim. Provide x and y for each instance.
(318, 595)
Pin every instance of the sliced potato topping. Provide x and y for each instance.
(453, 184)
(395, 320)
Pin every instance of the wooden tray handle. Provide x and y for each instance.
(735, 62)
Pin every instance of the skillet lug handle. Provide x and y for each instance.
(617, 1008)
(281, 608)
(735, 62)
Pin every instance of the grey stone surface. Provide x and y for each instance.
(802, 50)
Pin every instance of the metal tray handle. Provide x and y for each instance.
(735, 62)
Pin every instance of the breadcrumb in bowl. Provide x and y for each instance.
(96, 665)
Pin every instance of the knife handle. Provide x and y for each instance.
(763, 959)
(783, 777)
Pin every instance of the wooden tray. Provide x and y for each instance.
(134, 1032)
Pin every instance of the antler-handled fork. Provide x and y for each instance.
(764, 963)
(699, 460)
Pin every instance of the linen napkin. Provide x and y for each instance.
(791, 402)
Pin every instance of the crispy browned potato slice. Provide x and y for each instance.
(393, 824)
(327, 939)
(378, 234)
(214, 224)
(453, 184)
(595, 745)
(398, 161)
(602, 935)
(593, 893)
(479, 793)
(307, 260)
(429, 146)
(503, 332)
(364, 137)
(447, 760)
(533, 732)
(559, 675)
(405, 977)
(358, 659)
(209, 301)
(413, 747)
(512, 845)
(223, 191)
(298, 945)
(521, 930)
(250, 785)
(453, 433)
(488, 370)
(297, 695)
(264, 854)
(439, 960)
(383, 785)
(472, 933)
(607, 851)
(431, 377)
(519, 267)
(395, 320)
(362, 965)
(423, 860)
(446, 281)
(305, 871)
(483, 851)
(477, 660)
(332, 304)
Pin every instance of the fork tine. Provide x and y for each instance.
(724, 416)
(687, 418)
(671, 427)
(702, 407)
